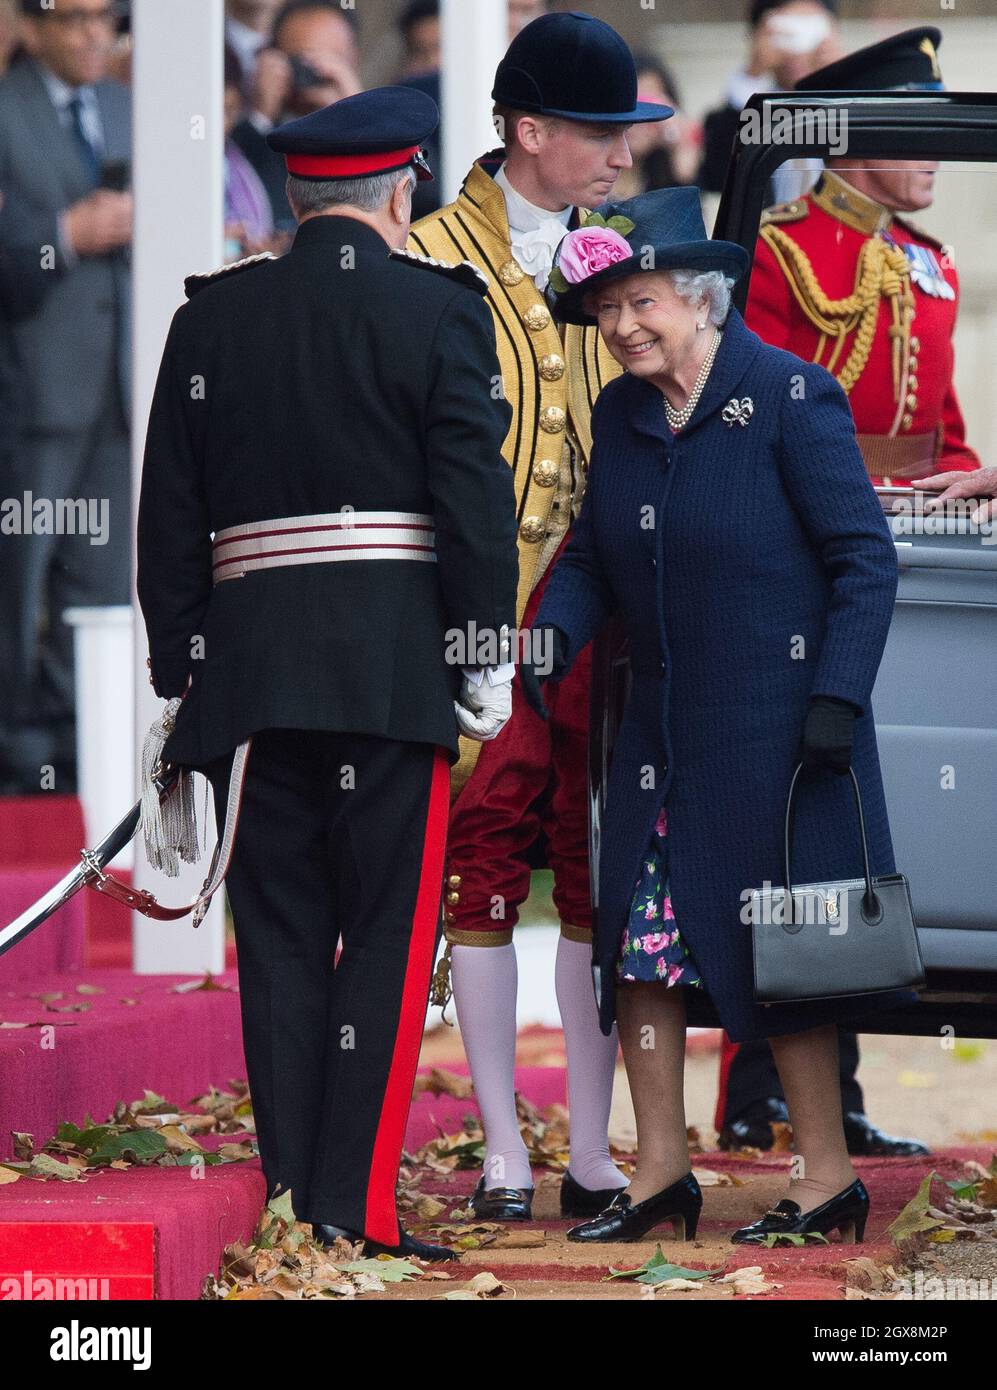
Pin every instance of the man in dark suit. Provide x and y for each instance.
(64, 150)
(332, 419)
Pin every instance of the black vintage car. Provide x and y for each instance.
(936, 696)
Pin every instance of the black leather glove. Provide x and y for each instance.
(827, 735)
(550, 643)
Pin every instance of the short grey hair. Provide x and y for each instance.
(713, 285)
(368, 193)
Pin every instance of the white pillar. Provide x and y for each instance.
(103, 647)
(178, 179)
(474, 38)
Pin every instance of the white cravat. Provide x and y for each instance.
(535, 232)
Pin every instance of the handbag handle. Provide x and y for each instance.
(872, 910)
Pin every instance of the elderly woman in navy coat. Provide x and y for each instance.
(729, 519)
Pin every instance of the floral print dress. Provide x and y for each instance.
(651, 947)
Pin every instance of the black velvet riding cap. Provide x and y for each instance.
(574, 66)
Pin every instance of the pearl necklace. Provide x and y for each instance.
(678, 419)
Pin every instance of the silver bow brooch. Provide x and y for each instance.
(738, 412)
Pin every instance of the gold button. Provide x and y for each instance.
(511, 273)
(915, 345)
(912, 383)
(532, 529)
(552, 419)
(536, 318)
(453, 898)
(545, 472)
(448, 917)
(551, 367)
(912, 364)
(911, 401)
(906, 422)
(454, 881)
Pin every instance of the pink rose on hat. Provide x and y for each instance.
(588, 250)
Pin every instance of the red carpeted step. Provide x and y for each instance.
(136, 1034)
(432, 1116)
(58, 945)
(151, 1232)
(40, 830)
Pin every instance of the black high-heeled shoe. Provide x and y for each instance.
(584, 1201)
(625, 1219)
(846, 1211)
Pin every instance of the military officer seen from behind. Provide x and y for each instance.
(324, 497)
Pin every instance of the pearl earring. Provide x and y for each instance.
(700, 326)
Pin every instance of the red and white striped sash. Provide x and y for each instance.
(320, 539)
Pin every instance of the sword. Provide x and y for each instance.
(87, 871)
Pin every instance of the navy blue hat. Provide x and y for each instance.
(907, 62)
(664, 227)
(574, 66)
(370, 133)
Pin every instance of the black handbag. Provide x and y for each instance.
(829, 940)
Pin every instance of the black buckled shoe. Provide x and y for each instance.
(754, 1129)
(847, 1211)
(624, 1219)
(864, 1140)
(502, 1203)
(584, 1201)
(408, 1247)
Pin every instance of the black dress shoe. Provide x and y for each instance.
(846, 1211)
(407, 1247)
(585, 1201)
(865, 1140)
(624, 1219)
(753, 1130)
(502, 1203)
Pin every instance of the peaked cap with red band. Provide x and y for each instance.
(370, 133)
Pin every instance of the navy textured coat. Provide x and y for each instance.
(753, 568)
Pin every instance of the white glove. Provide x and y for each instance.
(484, 706)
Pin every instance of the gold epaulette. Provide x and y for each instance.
(785, 212)
(193, 283)
(465, 272)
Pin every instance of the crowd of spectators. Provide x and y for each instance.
(65, 233)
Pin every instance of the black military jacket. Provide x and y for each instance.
(335, 377)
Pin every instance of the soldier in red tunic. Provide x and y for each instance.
(841, 277)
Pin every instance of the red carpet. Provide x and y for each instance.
(136, 1035)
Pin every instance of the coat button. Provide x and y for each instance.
(545, 473)
(511, 273)
(551, 367)
(536, 318)
(532, 529)
(454, 880)
(552, 419)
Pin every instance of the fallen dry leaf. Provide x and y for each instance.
(444, 1083)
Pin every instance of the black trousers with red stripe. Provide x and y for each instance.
(340, 836)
